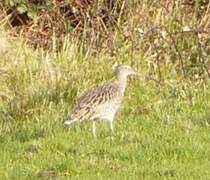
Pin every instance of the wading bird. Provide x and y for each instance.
(102, 103)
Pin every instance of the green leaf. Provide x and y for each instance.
(22, 8)
(32, 13)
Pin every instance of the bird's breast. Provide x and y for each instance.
(107, 111)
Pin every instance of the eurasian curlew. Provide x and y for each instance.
(103, 102)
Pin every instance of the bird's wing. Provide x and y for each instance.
(98, 96)
(86, 104)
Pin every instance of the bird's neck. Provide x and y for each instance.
(122, 81)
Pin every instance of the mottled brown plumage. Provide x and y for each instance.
(102, 102)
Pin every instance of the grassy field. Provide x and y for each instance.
(162, 132)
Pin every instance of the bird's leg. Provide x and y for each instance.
(112, 126)
(94, 128)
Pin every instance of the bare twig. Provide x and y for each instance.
(4, 96)
(201, 55)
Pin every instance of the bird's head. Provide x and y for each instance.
(126, 70)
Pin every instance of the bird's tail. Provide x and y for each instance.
(73, 119)
(76, 116)
(70, 121)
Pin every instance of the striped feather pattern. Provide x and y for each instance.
(103, 101)
(88, 103)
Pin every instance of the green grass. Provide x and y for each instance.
(161, 132)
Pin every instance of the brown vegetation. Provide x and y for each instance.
(174, 32)
(87, 18)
